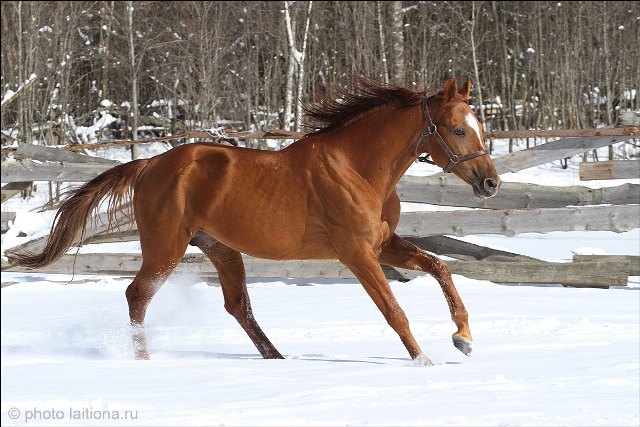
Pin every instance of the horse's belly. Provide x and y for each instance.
(276, 247)
(270, 238)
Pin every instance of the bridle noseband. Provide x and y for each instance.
(432, 130)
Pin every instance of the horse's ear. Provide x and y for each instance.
(465, 90)
(450, 88)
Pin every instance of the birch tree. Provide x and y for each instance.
(475, 13)
(383, 44)
(105, 39)
(296, 60)
(397, 36)
(133, 67)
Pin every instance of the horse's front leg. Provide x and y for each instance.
(402, 254)
(367, 269)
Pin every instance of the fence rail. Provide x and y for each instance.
(615, 169)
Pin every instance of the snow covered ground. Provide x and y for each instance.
(542, 355)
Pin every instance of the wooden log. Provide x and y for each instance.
(42, 153)
(598, 274)
(121, 264)
(302, 269)
(11, 189)
(448, 190)
(615, 169)
(5, 217)
(28, 170)
(551, 151)
(564, 133)
(97, 226)
(126, 233)
(583, 274)
(443, 245)
(632, 260)
(555, 150)
(511, 222)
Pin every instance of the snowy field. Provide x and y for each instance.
(542, 355)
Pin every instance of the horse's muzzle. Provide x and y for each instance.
(489, 188)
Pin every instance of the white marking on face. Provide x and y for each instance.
(472, 122)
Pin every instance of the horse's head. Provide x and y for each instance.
(454, 139)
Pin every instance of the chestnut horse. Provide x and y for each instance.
(329, 195)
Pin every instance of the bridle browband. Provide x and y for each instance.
(432, 130)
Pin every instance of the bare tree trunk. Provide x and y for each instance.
(296, 59)
(21, 75)
(67, 125)
(204, 56)
(300, 60)
(397, 34)
(474, 48)
(383, 45)
(608, 96)
(635, 101)
(105, 38)
(288, 96)
(22, 122)
(134, 81)
(501, 50)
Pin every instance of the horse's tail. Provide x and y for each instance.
(70, 222)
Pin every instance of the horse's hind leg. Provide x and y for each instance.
(228, 262)
(139, 294)
(159, 261)
(400, 253)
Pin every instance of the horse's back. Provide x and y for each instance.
(251, 200)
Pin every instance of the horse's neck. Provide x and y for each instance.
(381, 145)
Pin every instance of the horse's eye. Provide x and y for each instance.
(460, 132)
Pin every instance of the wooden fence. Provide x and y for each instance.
(518, 208)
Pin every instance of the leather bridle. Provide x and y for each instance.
(432, 130)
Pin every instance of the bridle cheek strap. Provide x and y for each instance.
(432, 130)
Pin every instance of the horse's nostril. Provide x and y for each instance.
(490, 184)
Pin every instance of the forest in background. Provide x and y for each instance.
(248, 65)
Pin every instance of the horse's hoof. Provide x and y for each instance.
(422, 360)
(462, 344)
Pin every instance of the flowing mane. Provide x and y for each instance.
(341, 106)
